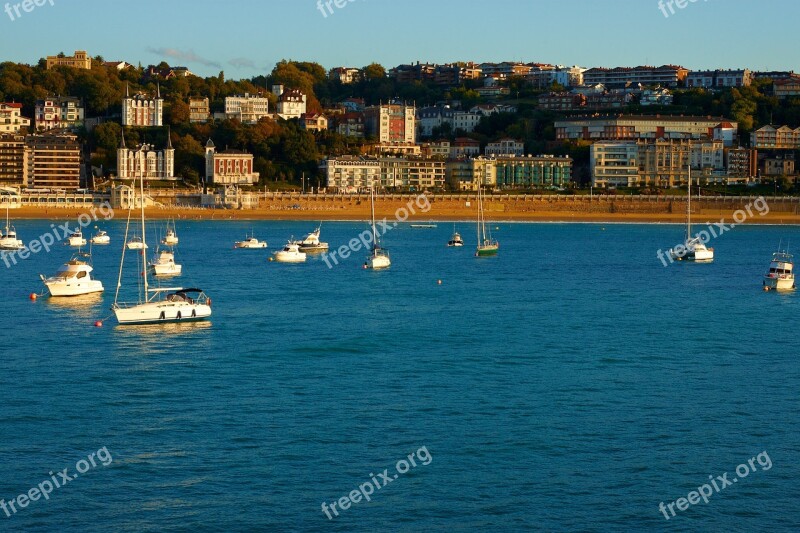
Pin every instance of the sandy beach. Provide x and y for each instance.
(579, 209)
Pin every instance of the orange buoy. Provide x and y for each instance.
(98, 324)
(33, 296)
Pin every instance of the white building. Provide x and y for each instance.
(11, 119)
(506, 147)
(291, 102)
(142, 111)
(146, 161)
(248, 109)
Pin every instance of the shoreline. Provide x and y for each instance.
(358, 213)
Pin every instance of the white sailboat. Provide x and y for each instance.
(74, 278)
(8, 239)
(379, 258)
(163, 305)
(487, 246)
(694, 249)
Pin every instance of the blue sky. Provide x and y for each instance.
(247, 37)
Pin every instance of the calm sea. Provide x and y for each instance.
(573, 383)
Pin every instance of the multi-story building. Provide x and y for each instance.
(666, 75)
(142, 111)
(465, 147)
(247, 109)
(412, 73)
(782, 165)
(505, 70)
(54, 161)
(344, 75)
(230, 167)
(314, 122)
(351, 124)
(659, 96)
(350, 173)
(659, 163)
(509, 172)
(631, 127)
(542, 76)
(710, 79)
(80, 60)
(13, 160)
(199, 110)
(391, 123)
(775, 138)
(452, 75)
(467, 174)
(402, 173)
(291, 102)
(506, 147)
(787, 87)
(11, 119)
(562, 101)
(146, 161)
(431, 118)
(741, 162)
(61, 112)
(437, 149)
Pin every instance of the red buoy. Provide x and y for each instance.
(98, 324)
(33, 296)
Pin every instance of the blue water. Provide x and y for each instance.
(573, 383)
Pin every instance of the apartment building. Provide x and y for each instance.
(505, 147)
(710, 79)
(247, 108)
(199, 110)
(632, 127)
(775, 138)
(11, 119)
(352, 174)
(666, 75)
(54, 162)
(391, 123)
(60, 112)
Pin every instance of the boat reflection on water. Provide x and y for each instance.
(80, 307)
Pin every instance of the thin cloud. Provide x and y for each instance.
(187, 56)
(242, 62)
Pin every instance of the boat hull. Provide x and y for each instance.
(282, 257)
(165, 271)
(260, 246)
(162, 313)
(487, 251)
(378, 262)
(61, 289)
(778, 283)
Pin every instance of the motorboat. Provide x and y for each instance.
(250, 243)
(171, 237)
(101, 237)
(781, 272)
(290, 254)
(74, 278)
(76, 238)
(8, 239)
(164, 265)
(136, 243)
(311, 244)
(456, 240)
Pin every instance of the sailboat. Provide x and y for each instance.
(379, 258)
(487, 246)
(694, 249)
(160, 305)
(8, 239)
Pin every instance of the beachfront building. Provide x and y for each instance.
(507, 172)
(60, 112)
(505, 147)
(141, 110)
(391, 123)
(741, 163)
(470, 173)
(655, 163)
(229, 167)
(710, 79)
(775, 138)
(54, 162)
(11, 119)
(199, 110)
(146, 161)
(80, 60)
(633, 127)
(247, 109)
(352, 174)
(13, 160)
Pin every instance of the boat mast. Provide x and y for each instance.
(144, 239)
(689, 201)
(375, 244)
